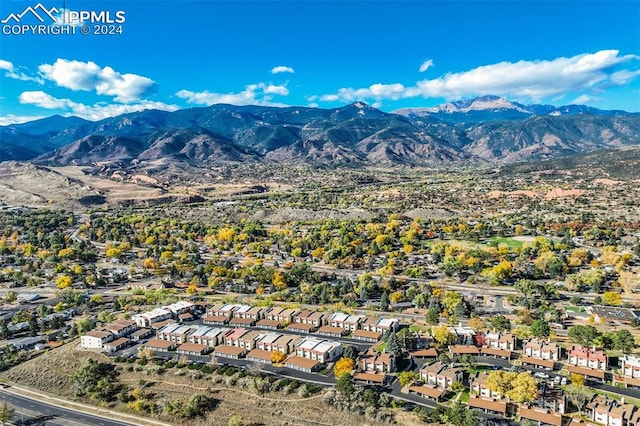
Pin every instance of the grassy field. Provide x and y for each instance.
(574, 309)
(507, 241)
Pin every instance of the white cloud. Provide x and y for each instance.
(582, 100)
(253, 94)
(281, 68)
(276, 90)
(6, 65)
(523, 79)
(17, 119)
(11, 72)
(426, 65)
(90, 112)
(89, 76)
(620, 78)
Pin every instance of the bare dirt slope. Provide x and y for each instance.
(51, 373)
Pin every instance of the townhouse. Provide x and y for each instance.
(208, 336)
(541, 349)
(232, 337)
(500, 341)
(586, 357)
(281, 315)
(540, 353)
(441, 375)
(95, 339)
(610, 412)
(379, 362)
(479, 386)
(319, 350)
(121, 328)
(345, 321)
(155, 315)
(175, 332)
(630, 370)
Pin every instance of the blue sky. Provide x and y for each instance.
(179, 54)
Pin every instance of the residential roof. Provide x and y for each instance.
(432, 368)
(387, 322)
(117, 342)
(325, 346)
(622, 411)
(229, 350)
(160, 324)
(241, 321)
(587, 353)
(489, 404)
(370, 377)
(300, 327)
(425, 353)
(161, 344)
(298, 361)
(192, 347)
(495, 351)
(331, 330)
(268, 337)
(141, 332)
(235, 333)
(464, 349)
(276, 310)
(541, 416)
(268, 323)
(98, 334)
(427, 391)
(182, 304)
(366, 334)
(339, 317)
(591, 372)
(127, 323)
(547, 363)
(215, 318)
(260, 354)
(354, 319)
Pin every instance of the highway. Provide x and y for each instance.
(30, 411)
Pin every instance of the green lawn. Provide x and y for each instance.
(464, 397)
(575, 309)
(509, 242)
(380, 346)
(420, 329)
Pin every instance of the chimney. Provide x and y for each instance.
(622, 400)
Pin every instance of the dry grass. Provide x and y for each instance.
(51, 373)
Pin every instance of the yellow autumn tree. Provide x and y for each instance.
(343, 365)
(278, 357)
(577, 380)
(524, 388)
(612, 298)
(500, 381)
(279, 281)
(191, 290)
(442, 334)
(64, 281)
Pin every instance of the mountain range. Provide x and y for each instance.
(485, 129)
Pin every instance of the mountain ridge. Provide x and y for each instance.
(354, 133)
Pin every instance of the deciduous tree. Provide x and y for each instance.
(343, 366)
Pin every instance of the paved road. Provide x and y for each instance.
(36, 412)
